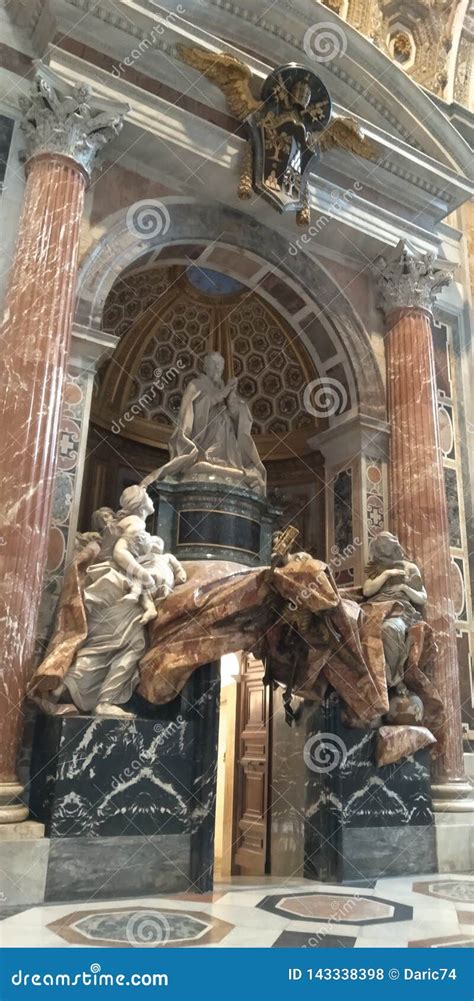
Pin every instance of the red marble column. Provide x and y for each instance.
(418, 501)
(407, 284)
(63, 132)
(35, 342)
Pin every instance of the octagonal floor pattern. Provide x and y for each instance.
(428, 911)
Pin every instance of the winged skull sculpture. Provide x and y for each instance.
(286, 130)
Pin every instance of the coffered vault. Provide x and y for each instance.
(300, 289)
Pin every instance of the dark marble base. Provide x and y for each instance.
(214, 521)
(395, 851)
(363, 822)
(110, 868)
(129, 804)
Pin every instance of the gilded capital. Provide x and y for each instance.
(67, 120)
(407, 280)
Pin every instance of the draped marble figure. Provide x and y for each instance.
(311, 635)
(212, 439)
(126, 577)
(392, 577)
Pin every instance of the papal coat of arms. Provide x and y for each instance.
(287, 129)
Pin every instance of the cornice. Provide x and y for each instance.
(442, 188)
(373, 65)
(363, 69)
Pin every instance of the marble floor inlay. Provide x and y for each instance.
(266, 912)
(444, 941)
(140, 927)
(455, 889)
(343, 908)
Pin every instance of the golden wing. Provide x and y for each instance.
(228, 73)
(344, 133)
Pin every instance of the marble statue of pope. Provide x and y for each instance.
(212, 438)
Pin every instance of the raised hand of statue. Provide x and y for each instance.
(231, 386)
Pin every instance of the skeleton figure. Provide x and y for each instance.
(392, 577)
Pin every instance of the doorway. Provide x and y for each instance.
(242, 824)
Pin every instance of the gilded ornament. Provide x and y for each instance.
(402, 46)
(287, 129)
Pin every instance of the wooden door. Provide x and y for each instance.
(253, 771)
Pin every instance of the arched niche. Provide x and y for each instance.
(180, 231)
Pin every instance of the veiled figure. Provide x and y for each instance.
(212, 438)
(392, 577)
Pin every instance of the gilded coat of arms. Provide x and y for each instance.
(287, 128)
(296, 107)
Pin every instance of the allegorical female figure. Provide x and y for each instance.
(109, 608)
(212, 438)
(392, 577)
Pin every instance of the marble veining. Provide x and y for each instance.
(356, 812)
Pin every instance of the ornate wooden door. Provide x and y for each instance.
(253, 766)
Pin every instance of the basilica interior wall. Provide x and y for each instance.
(327, 469)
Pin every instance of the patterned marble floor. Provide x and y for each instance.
(428, 911)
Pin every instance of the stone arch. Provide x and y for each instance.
(180, 229)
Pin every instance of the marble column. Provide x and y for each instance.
(64, 129)
(407, 286)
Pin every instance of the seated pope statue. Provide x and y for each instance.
(212, 438)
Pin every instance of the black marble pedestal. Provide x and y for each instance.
(128, 804)
(363, 822)
(214, 521)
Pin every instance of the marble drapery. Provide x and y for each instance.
(293, 615)
(64, 129)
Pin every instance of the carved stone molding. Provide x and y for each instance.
(406, 280)
(68, 121)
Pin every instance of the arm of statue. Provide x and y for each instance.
(180, 574)
(373, 584)
(417, 597)
(230, 387)
(127, 562)
(182, 430)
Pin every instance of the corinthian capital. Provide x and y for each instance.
(406, 280)
(65, 119)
